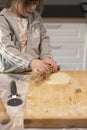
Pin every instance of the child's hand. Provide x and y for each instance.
(51, 62)
(38, 66)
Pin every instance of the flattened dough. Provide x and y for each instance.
(58, 78)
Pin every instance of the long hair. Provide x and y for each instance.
(39, 8)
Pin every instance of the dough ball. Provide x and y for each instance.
(58, 78)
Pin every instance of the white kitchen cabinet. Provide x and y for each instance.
(70, 66)
(68, 53)
(66, 32)
(68, 44)
(86, 66)
(85, 50)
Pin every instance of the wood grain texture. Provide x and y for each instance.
(58, 106)
(4, 117)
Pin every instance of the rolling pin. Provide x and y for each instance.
(4, 117)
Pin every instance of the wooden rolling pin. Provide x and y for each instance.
(4, 117)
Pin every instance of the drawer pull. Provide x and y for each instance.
(53, 26)
(56, 47)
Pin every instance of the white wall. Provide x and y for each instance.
(65, 2)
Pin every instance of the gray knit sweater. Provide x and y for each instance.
(37, 46)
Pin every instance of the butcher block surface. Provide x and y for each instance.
(57, 106)
(4, 117)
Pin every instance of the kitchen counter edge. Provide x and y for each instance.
(65, 20)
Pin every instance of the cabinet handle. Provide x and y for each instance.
(56, 47)
(59, 26)
(54, 26)
(59, 46)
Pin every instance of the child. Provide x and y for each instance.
(24, 44)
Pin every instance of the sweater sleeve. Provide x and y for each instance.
(8, 50)
(45, 46)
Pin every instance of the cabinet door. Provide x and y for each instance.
(66, 32)
(70, 66)
(68, 52)
(86, 66)
(85, 50)
(67, 41)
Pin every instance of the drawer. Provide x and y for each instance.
(70, 66)
(68, 53)
(86, 66)
(85, 48)
(66, 32)
(86, 53)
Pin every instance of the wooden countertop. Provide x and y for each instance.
(65, 20)
(58, 105)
